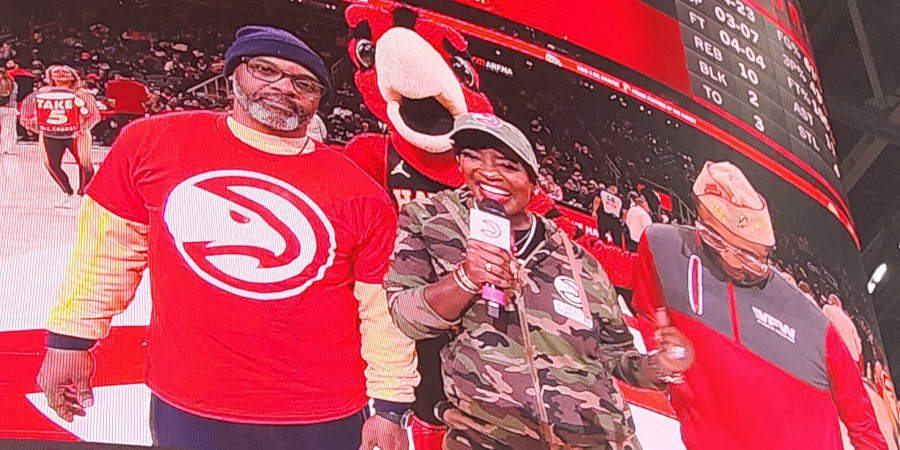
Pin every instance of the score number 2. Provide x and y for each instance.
(754, 100)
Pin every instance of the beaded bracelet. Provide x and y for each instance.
(462, 285)
(462, 280)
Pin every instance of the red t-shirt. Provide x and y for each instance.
(252, 259)
(129, 96)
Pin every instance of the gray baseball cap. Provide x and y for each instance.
(503, 131)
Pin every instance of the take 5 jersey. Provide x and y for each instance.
(59, 110)
(253, 258)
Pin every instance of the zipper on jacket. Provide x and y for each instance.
(735, 326)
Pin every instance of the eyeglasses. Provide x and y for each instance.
(751, 262)
(268, 72)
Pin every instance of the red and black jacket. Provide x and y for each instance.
(770, 372)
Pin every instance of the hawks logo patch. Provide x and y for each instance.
(488, 120)
(250, 234)
(571, 306)
(567, 288)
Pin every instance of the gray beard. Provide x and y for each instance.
(269, 116)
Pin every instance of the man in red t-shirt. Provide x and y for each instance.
(129, 96)
(269, 326)
(128, 99)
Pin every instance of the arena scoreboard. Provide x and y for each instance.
(741, 71)
(745, 65)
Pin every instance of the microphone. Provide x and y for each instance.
(488, 224)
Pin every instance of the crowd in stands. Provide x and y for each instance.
(349, 115)
(167, 63)
(169, 53)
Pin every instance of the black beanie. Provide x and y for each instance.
(255, 40)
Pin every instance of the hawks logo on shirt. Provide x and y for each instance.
(567, 288)
(250, 234)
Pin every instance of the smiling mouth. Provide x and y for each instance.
(494, 193)
(426, 116)
(279, 104)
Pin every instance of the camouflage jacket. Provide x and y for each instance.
(492, 369)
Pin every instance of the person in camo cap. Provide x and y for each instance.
(541, 374)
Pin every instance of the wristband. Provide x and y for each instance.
(398, 413)
(463, 281)
(63, 342)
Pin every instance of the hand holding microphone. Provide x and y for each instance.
(488, 263)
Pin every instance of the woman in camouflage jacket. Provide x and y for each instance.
(541, 374)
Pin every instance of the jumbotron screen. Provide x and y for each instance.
(637, 113)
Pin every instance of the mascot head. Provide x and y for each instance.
(413, 73)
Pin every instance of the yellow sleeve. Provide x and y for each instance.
(107, 264)
(391, 372)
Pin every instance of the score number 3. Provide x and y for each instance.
(757, 121)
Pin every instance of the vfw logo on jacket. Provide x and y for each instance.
(780, 328)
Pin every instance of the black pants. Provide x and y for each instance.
(172, 427)
(606, 222)
(56, 148)
(431, 389)
(630, 244)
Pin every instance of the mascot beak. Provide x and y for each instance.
(423, 95)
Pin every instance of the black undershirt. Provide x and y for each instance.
(538, 237)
